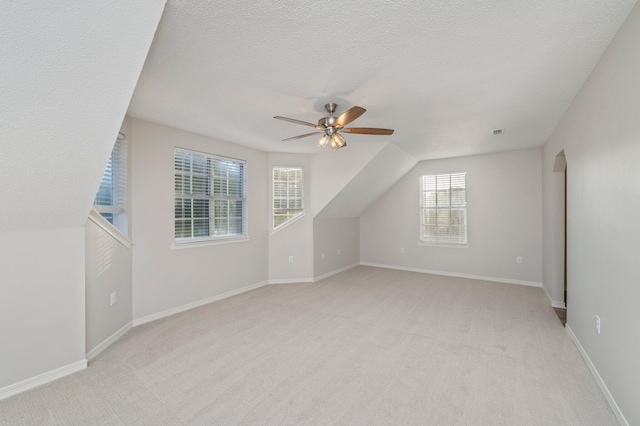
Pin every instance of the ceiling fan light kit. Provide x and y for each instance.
(330, 127)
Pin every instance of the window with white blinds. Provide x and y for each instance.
(287, 194)
(111, 199)
(443, 205)
(210, 196)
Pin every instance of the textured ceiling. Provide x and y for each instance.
(444, 75)
(68, 71)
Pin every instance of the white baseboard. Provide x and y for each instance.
(139, 321)
(455, 274)
(108, 341)
(552, 302)
(596, 375)
(291, 281)
(41, 379)
(312, 280)
(337, 271)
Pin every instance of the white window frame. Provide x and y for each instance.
(112, 198)
(292, 184)
(442, 220)
(211, 198)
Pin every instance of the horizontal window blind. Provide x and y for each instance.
(443, 208)
(287, 194)
(111, 200)
(210, 196)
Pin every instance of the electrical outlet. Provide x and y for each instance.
(338, 252)
(114, 298)
(290, 259)
(322, 256)
(401, 249)
(519, 259)
(598, 324)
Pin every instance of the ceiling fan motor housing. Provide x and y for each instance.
(327, 122)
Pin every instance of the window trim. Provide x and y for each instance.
(106, 226)
(208, 242)
(193, 242)
(302, 210)
(444, 244)
(287, 223)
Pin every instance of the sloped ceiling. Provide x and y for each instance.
(444, 75)
(385, 169)
(68, 71)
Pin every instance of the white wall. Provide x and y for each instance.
(41, 303)
(166, 279)
(504, 194)
(331, 235)
(600, 135)
(296, 237)
(107, 270)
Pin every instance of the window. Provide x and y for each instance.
(287, 194)
(111, 199)
(443, 209)
(210, 196)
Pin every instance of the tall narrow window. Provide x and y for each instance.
(287, 194)
(443, 209)
(210, 196)
(111, 199)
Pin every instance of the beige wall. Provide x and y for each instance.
(333, 170)
(600, 135)
(504, 220)
(163, 278)
(331, 236)
(296, 237)
(107, 270)
(41, 303)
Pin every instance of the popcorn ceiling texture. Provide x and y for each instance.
(67, 75)
(442, 74)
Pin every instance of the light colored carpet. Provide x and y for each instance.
(368, 346)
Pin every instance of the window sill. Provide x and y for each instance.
(206, 243)
(443, 245)
(107, 227)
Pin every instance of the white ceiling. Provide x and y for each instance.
(444, 75)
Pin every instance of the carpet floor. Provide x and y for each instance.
(368, 346)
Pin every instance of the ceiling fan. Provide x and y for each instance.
(331, 127)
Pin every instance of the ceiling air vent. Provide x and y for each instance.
(498, 131)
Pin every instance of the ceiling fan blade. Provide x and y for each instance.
(302, 136)
(304, 123)
(348, 116)
(368, 131)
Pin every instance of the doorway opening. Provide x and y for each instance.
(559, 260)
